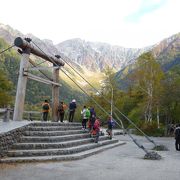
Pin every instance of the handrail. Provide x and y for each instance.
(30, 113)
(6, 112)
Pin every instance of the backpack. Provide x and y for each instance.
(45, 107)
(87, 113)
(177, 133)
(60, 108)
(113, 123)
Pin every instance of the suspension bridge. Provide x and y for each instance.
(43, 141)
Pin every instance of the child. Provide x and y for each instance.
(110, 123)
(95, 130)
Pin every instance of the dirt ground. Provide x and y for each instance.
(121, 163)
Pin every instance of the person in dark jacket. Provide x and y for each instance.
(110, 126)
(72, 108)
(92, 116)
(177, 137)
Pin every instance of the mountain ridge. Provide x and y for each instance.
(95, 56)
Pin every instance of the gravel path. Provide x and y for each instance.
(121, 163)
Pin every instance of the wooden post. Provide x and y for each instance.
(55, 94)
(21, 87)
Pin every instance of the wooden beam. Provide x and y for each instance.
(39, 79)
(23, 44)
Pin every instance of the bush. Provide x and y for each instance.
(151, 129)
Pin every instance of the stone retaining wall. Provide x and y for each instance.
(7, 139)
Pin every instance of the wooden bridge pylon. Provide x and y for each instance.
(28, 48)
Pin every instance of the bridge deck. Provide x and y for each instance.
(10, 125)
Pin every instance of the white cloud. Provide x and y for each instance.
(93, 20)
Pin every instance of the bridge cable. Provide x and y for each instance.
(6, 49)
(135, 141)
(147, 137)
(130, 121)
(32, 63)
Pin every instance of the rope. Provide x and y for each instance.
(40, 63)
(6, 49)
(40, 70)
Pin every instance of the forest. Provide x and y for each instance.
(151, 100)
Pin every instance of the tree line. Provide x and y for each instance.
(152, 99)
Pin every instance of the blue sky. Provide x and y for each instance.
(146, 7)
(127, 23)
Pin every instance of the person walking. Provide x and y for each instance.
(110, 124)
(72, 108)
(177, 137)
(61, 111)
(85, 116)
(45, 110)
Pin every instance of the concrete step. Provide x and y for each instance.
(68, 157)
(52, 133)
(63, 151)
(54, 138)
(44, 124)
(23, 146)
(54, 128)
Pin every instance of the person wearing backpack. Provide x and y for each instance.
(72, 108)
(61, 111)
(177, 137)
(45, 110)
(110, 124)
(85, 116)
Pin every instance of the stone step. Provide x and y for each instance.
(52, 133)
(44, 124)
(64, 151)
(54, 128)
(66, 144)
(67, 157)
(53, 138)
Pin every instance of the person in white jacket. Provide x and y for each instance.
(84, 117)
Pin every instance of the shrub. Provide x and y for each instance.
(151, 129)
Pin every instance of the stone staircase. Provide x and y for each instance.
(56, 142)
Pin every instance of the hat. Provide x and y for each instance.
(73, 100)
